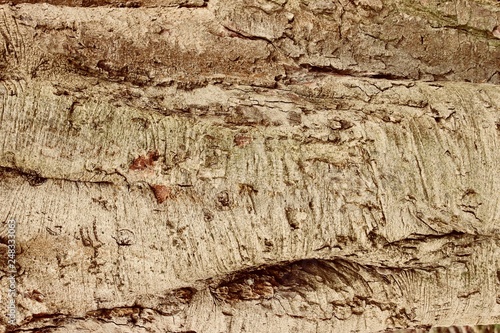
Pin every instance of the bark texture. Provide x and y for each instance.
(251, 166)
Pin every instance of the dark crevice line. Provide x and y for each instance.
(182, 296)
(35, 179)
(245, 36)
(330, 70)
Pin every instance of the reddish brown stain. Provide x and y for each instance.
(183, 294)
(143, 162)
(242, 140)
(162, 193)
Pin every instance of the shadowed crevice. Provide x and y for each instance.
(290, 277)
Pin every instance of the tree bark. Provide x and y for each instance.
(250, 166)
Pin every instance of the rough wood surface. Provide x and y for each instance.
(251, 166)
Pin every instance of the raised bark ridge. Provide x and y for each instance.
(264, 166)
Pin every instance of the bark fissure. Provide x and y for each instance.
(250, 166)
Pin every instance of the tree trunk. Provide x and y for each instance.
(250, 166)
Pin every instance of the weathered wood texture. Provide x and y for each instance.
(263, 166)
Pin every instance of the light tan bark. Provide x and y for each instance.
(250, 167)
